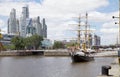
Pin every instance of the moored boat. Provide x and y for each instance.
(81, 57)
(82, 51)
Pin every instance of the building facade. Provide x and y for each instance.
(96, 40)
(23, 21)
(26, 26)
(38, 26)
(12, 22)
(44, 28)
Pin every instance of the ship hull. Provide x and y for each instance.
(81, 58)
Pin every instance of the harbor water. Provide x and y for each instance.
(41, 66)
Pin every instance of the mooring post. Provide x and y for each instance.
(119, 56)
(105, 70)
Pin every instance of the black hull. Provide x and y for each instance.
(81, 58)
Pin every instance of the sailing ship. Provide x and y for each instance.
(84, 52)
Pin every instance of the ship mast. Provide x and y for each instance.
(86, 28)
(79, 36)
(86, 38)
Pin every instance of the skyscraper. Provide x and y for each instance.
(25, 11)
(38, 26)
(23, 18)
(12, 22)
(30, 30)
(96, 40)
(90, 40)
(26, 26)
(44, 28)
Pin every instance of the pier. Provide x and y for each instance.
(114, 71)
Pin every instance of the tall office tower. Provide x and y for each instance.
(30, 30)
(12, 22)
(96, 40)
(22, 24)
(38, 26)
(25, 11)
(99, 40)
(90, 40)
(44, 28)
(18, 32)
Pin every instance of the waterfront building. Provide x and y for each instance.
(23, 19)
(38, 26)
(25, 11)
(6, 39)
(30, 30)
(12, 22)
(73, 41)
(96, 40)
(26, 26)
(47, 43)
(44, 28)
(90, 40)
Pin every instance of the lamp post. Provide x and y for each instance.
(118, 23)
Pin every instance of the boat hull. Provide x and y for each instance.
(81, 58)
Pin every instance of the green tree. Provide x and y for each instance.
(33, 41)
(58, 45)
(36, 41)
(18, 42)
(28, 43)
(9, 47)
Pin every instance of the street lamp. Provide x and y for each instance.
(118, 22)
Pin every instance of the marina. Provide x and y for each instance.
(33, 38)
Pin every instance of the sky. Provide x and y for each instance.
(60, 15)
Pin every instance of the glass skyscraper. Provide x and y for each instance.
(26, 26)
(22, 22)
(12, 22)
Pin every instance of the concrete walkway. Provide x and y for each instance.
(115, 69)
(106, 53)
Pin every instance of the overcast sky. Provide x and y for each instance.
(59, 15)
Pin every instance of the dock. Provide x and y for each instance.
(106, 53)
(115, 69)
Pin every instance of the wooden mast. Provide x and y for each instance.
(79, 36)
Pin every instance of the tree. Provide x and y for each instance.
(34, 41)
(9, 47)
(58, 45)
(28, 42)
(18, 42)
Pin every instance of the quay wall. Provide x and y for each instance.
(56, 53)
(35, 52)
(14, 53)
(20, 53)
